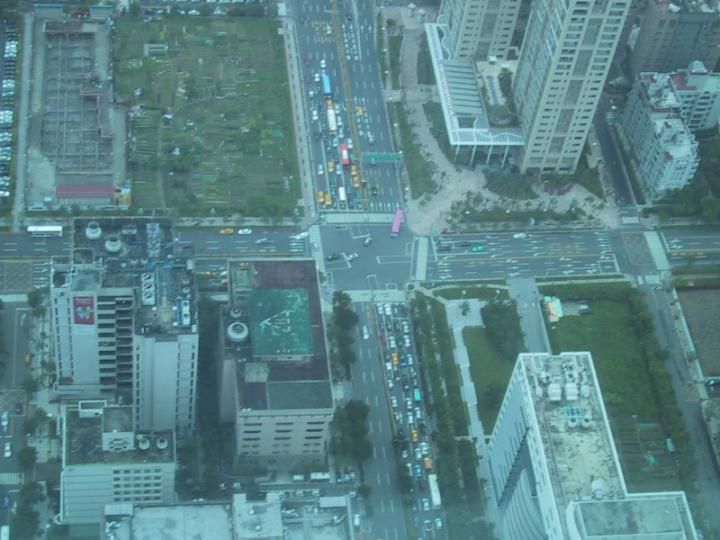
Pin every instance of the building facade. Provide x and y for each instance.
(479, 29)
(699, 93)
(673, 34)
(124, 320)
(105, 461)
(555, 472)
(665, 150)
(274, 376)
(564, 61)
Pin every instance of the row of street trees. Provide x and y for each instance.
(341, 336)
(349, 432)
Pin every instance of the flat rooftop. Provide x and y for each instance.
(137, 256)
(275, 331)
(651, 516)
(573, 426)
(83, 439)
(182, 522)
(582, 462)
(257, 519)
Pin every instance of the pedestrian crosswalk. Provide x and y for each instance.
(359, 217)
(378, 295)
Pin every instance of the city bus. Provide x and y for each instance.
(344, 155)
(434, 491)
(327, 90)
(397, 221)
(332, 123)
(39, 231)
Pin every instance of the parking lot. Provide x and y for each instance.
(411, 425)
(8, 69)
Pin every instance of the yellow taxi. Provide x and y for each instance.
(328, 199)
(331, 167)
(321, 197)
(227, 230)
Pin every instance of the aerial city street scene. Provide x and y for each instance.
(360, 270)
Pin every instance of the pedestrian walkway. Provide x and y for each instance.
(378, 295)
(357, 217)
(527, 299)
(11, 479)
(657, 250)
(13, 297)
(421, 259)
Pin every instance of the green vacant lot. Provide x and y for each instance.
(210, 118)
(608, 334)
(490, 373)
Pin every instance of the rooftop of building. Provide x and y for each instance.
(114, 255)
(573, 427)
(275, 331)
(88, 422)
(179, 522)
(659, 92)
(677, 140)
(653, 515)
(257, 519)
(687, 6)
(696, 78)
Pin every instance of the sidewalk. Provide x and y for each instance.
(457, 322)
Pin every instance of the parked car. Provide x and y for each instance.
(227, 230)
(7, 450)
(244, 231)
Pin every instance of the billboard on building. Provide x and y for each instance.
(84, 310)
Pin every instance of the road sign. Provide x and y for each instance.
(383, 157)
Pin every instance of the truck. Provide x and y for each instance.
(428, 464)
(342, 195)
(320, 477)
(332, 122)
(434, 491)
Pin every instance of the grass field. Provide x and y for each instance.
(210, 115)
(608, 334)
(490, 373)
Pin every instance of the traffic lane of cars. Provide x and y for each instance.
(407, 407)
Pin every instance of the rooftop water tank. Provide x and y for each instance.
(161, 443)
(237, 332)
(93, 230)
(113, 244)
(236, 313)
(143, 443)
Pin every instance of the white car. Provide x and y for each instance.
(7, 450)
(391, 342)
(426, 504)
(418, 454)
(388, 310)
(314, 115)
(321, 170)
(316, 78)
(365, 332)
(520, 235)
(323, 64)
(406, 341)
(393, 402)
(352, 256)
(5, 421)
(300, 236)
(244, 231)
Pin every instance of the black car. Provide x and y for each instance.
(374, 191)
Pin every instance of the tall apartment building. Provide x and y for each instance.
(564, 61)
(479, 28)
(555, 470)
(274, 374)
(665, 150)
(124, 320)
(699, 93)
(105, 461)
(673, 34)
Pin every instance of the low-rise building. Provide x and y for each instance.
(105, 461)
(236, 519)
(699, 94)
(665, 150)
(555, 470)
(274, 374)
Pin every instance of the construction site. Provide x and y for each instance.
(76, 143)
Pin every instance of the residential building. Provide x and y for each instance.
(699, 93)
(673, 34)
(124, 320)
(564, 61)
(665, 150)
(478, 28)
(274, 374)
(555, 471)
(105, 461)
(239, 518)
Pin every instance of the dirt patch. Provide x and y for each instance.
(702, 312)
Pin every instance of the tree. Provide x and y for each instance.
(205, 10)
(30, 385)
(27, 457)
(503, 328)
(364, 490)
(35, 301)
(25, 524)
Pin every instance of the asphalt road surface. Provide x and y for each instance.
(687, 247)
(537, 254)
